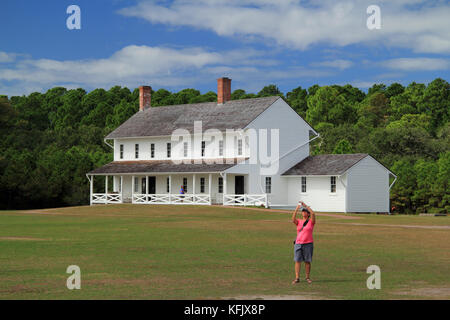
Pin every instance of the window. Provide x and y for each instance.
(136, 185)
(121, 151)
(333, 184)
(268, 184)
(185, 149)
(185, 185)
(303, 184)
(169, 149)
(152, 150)
(203, 148)
(220, 185)
(168, 185)
(220, 148)
(202, 185)
(136, 151)
(240, 147)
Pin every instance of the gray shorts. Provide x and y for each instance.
(303, 252)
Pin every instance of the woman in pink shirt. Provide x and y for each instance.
(303, 244)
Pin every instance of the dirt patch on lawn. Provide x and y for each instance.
(430, 292)
(23, 238)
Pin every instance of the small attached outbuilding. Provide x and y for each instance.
(340, 183)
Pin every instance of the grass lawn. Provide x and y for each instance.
(201, 252)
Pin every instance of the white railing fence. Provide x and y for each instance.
(204, 199)
(106, 198)
(245, 200)
(171, 199)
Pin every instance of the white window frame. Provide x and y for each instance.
(185, 149)
(303, 184)
(136, 150)
(169, 150)
(220, 148)
(121, 148)
(152, 150)
(333, 184)
(239, 147)
(268, 184)
(203, 148)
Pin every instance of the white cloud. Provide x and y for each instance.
(156, 66)
(301, 24)
(338, 64)
(417, 64)
(7, 57)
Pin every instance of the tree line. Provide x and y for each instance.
(51, 140)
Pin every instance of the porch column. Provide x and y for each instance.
(121, 188)
(193, 184)
(210, 188)
(146, 188)
(224, 187)
(132, 189)
(91, 189)
(106, 189)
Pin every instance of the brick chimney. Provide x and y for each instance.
(223, 90)
(145, 97)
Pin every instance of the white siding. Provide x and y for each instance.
(293, 131)
(368, 187)
(318, 193)
(211, 149)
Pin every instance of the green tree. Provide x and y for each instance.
(343, 147)
(327, 105)
(297, 99)
(270, 90)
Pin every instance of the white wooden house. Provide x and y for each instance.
(233, 152)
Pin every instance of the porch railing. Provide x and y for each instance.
(245, 200)
(171, 199)
(106, 198)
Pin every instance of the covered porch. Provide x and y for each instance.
(202, 188)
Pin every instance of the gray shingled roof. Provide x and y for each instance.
(163, 166)
(325, 164)
(161, 121)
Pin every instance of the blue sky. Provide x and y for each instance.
(189, 44)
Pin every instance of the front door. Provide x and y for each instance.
(151, 185)
(239, 185)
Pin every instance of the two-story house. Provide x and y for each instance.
(233, 152)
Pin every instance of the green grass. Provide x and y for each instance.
(202, 252)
